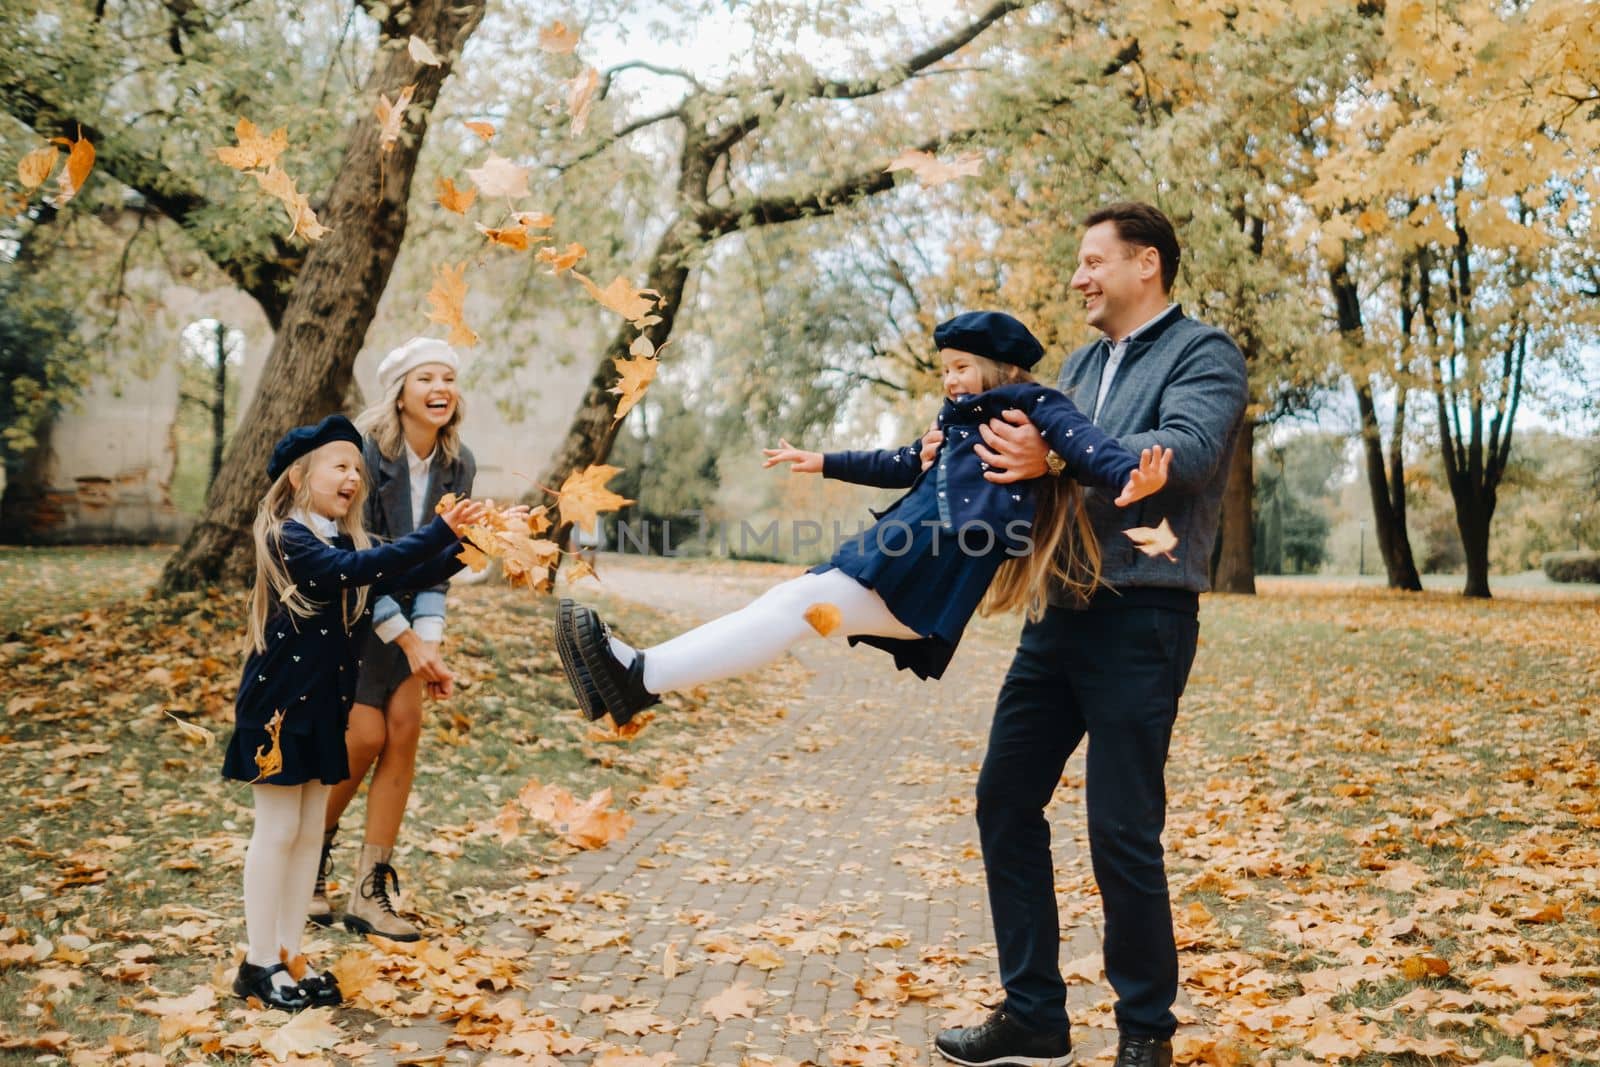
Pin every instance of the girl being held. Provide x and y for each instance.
(315, 570)
(909, 584)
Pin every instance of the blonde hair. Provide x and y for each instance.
(381, 421)
(274, 584)
(1064, 550)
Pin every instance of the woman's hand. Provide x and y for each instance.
(463, 513)
(1149, 476)
(423, 656)
(800, 461)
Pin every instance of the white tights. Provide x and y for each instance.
(764, 630)
(280, 868)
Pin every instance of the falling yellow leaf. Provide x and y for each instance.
(482, 129)
(637, 374)
(737, 999)
(558, 37)
(278, 184)
(446, 300)
(930, 170)
(580, 97)
(562, 260)
(823, 618)
(270, 762)
(35, 167)
(193, 731)
(392, 116)
(533, 220)
(80, 161)
(583, 496)
(511, 237)
(453, 199)
(620, 296)
(1157, 541)
(500, 177)
(580, 569)
(422, 52)
(253, 149)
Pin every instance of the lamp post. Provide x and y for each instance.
(1361, 559)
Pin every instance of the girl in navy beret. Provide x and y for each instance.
(315, 569)
(909, 584)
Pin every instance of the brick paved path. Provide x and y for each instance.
(829, 859)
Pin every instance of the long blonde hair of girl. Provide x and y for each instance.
(273, 583)
(382, 423)
(1064, 552)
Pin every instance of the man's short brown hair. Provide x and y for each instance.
(1145, 225)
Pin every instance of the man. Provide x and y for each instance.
(1111, 670)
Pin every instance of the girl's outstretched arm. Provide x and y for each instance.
(800, 461)
(325, 568)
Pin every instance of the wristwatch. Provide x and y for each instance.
(1054, 463)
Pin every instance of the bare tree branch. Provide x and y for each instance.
(626, 131)
(639, 64)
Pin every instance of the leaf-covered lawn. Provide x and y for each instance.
(50, 581)
(1382, 835)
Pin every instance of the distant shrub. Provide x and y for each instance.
(1572, 566)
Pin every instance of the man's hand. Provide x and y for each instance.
(930, 444)
(424, 657)
(1016, 449)
(1148, 477)
(800, 461)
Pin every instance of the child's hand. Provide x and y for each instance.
(463, 513)
(802, 462)
(1148, 477)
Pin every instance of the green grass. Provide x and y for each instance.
(52, 581)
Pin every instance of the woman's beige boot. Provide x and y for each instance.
(321, 911)
(371, 909)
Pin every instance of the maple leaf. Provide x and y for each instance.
(193, 731)
(500, 177)
(562, 260)
(422, 52)
(278, 184)
(580, 569)
(583, 496)
(930, 171)
(580, 97)
(737, 999)
(271, 762)
(445, 301)
(514, 237)
(1157, 541)
(34, 168)
(309, 1031)
(472, 557)
(453, 199)
(482, 129)
(80, 161)
(823, 618)
(607, 731)
(392, 116)
(557, 37)
(620, 296)
(253, 149)
(637, 374)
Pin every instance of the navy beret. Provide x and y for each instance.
(992, 334)
(303, 439)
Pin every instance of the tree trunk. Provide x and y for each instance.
(1236, 571)
(1472, 519)
(335, 296)
(219, 405)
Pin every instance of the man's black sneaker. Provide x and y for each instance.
(1143, 1051)
(571, 663)
(621, 689)
(1001, 1041)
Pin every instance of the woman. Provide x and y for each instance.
(414, 456)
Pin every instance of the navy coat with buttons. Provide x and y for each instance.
(964, 496)
(308, 668)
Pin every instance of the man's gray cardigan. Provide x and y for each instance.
(1181, 384)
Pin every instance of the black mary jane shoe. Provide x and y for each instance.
(256, 982)
(322, 988)
(578, 677)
